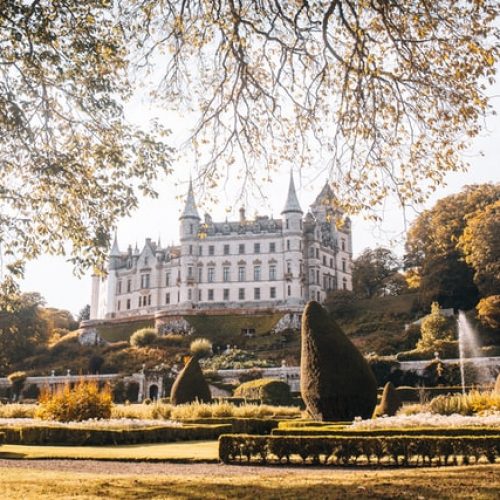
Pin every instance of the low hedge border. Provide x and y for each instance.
(239, 425)
(296, 424)
(335, 431)
(389, 450)
(73, 436)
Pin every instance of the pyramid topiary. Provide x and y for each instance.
(390, 403)
(190, 385)
(336, 381)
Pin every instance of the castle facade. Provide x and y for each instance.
(246, 264)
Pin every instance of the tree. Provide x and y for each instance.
(21, 330)
(371, 270)
(432, 247)
(480, 243)
(70, 163)
(391, 91)
(488, 311)
(435, 329)
(84, 314)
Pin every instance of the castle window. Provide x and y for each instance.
(178, 297)
(119, 305)
(317, 277)
(200, 295)
(128, 303)
(190, 249)
(311, 252)
(324, 260)
(191, 228)
(288, 245)
(241, 248)
(200, 250)
(225, 273)
(317, 253)
(210, 294)
(167, 298)
(289, 267)
(289, 290)
(272, 247)
(190, 272)
(129, 263)
(344, 284)
(226, 294)
(331, 263)
(241, 273)
(200, 275)
(272, 292)
(241, 293)
(226, 249)
(287, 224)
(256, 248)
(129, 285)
(119, 287)
(343, 265)
(211, 274)
(312, 276)
(272, 272)
(145, 280)
(343, 244)
(256, 273)
(256, 293)
(149, 300)
(211, 250)
(167, 279)
(190, 294)
(140, 301)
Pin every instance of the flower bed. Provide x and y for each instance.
(388, 450)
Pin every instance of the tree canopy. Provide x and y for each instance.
(438, 238)
(388, 92)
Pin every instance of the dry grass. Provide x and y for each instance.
(210, 482)
(15, 410)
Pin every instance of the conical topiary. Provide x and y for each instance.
(190, 385)
(390, 403)
(336, 381)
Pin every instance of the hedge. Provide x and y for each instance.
(239, 425)
(268, 390)
(294, 424)
(410, 394)
(75, 436)
(389, 450)
(339, 431)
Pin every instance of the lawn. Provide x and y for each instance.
(186, 451)
(223, 482)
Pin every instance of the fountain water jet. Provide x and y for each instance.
(469, 349)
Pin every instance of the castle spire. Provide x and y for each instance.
(115, 251)
(190, 209)
(292, 202)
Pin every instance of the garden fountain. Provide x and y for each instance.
(469, 350)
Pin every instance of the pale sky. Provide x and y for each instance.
(53, 276)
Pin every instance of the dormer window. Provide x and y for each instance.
(191, 228)
(145, 280)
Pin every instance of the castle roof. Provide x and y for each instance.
(115, 251)
(190, 210)
(292, 203)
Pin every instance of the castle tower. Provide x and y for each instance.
(292, 245)
(113, 264)
(189, 230)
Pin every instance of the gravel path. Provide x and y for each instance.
(142, 468)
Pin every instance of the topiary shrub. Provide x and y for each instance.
(84, 401)
(268, 390)
(143, 337)
(336, 381)
(190, 385)
(390, 403)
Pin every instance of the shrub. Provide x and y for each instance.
(385, 369)
(190, 385)
(390, 403)
(17, 410)
(342, 450)
(269, 391)
(17, 379)
(488, 311)
(201, 348)
(119, 391)
(132, 392)
(472, 403)
(95, 363)
(31, 392)
(435, 327)
(336, 381)
(83, 402)
(143, 337)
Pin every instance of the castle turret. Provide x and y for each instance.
(190, 219)
(292, 245)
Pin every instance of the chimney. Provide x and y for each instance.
(242, 214)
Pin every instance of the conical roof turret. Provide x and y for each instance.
(190, 210)
(115, 251)
(292, 203)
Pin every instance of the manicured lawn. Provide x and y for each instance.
(186, 451)
(220, 482)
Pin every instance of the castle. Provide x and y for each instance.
(244, 264)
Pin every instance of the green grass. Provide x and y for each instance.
(122, 331)
(187, 451)
(246, 484)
